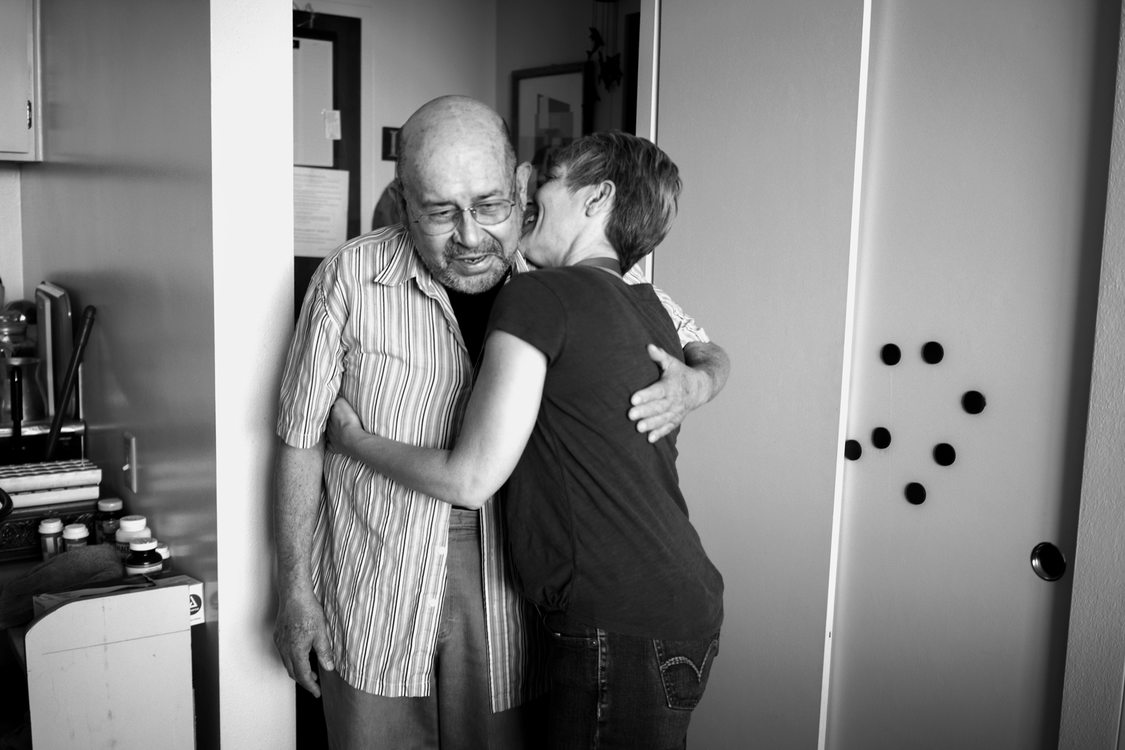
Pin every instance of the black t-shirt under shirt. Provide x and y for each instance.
(472, 311)
(597, 526)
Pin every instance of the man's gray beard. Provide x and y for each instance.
(450, 279)
(474, 285)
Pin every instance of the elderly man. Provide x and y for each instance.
(420, 639)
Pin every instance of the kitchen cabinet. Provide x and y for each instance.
(113, 669)
(20, 130)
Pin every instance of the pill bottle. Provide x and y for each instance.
(165, 554)
(75, 535)
(143, 559)
(50, 537)
(106, 520)
(130, 527)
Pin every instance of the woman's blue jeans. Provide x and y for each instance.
(615, 691)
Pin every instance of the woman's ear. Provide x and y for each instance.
(601, 197)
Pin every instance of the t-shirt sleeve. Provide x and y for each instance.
(311, 378)
(531, 311)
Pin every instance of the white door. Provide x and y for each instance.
(980, 224)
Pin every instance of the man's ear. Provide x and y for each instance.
(398, 194)
(523, 175)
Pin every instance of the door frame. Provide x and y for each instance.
(848, 351)
(1093, 705)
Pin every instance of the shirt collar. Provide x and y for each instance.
(402, 262)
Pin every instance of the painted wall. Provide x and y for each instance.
(534, 34)
(757, 104)
(120, 214)
(538, 33)
(11, 233)
(413, 52)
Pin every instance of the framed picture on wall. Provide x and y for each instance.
(551, 106)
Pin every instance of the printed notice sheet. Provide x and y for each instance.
(320, 210)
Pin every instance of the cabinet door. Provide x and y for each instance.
(19, 127)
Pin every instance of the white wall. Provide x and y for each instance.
(757, 104)
(11, 233)
(252, 261)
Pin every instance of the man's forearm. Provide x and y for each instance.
(299, 628)
(298, 478)
(711, 362)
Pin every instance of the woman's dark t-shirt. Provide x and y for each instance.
(598, 529)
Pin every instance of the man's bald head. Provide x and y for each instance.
(450, 123)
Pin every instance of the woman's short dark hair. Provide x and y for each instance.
(647, 186)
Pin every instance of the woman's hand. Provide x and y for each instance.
(344, 427)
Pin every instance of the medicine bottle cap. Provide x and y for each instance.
(50, 525)
(164, 550)
(125, 536)
(110, 504)
(142, 543)
(75, 531)
(133, 523)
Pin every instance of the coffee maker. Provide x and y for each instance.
(36, 345)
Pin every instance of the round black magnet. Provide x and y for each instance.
(944, 454)
(933, 352)
(881, 437)
(973, 402)
(915, 493)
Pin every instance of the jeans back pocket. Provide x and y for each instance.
(684, 669)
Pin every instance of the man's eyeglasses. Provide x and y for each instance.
(486, 213)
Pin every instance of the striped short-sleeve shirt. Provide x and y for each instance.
(376, 328)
